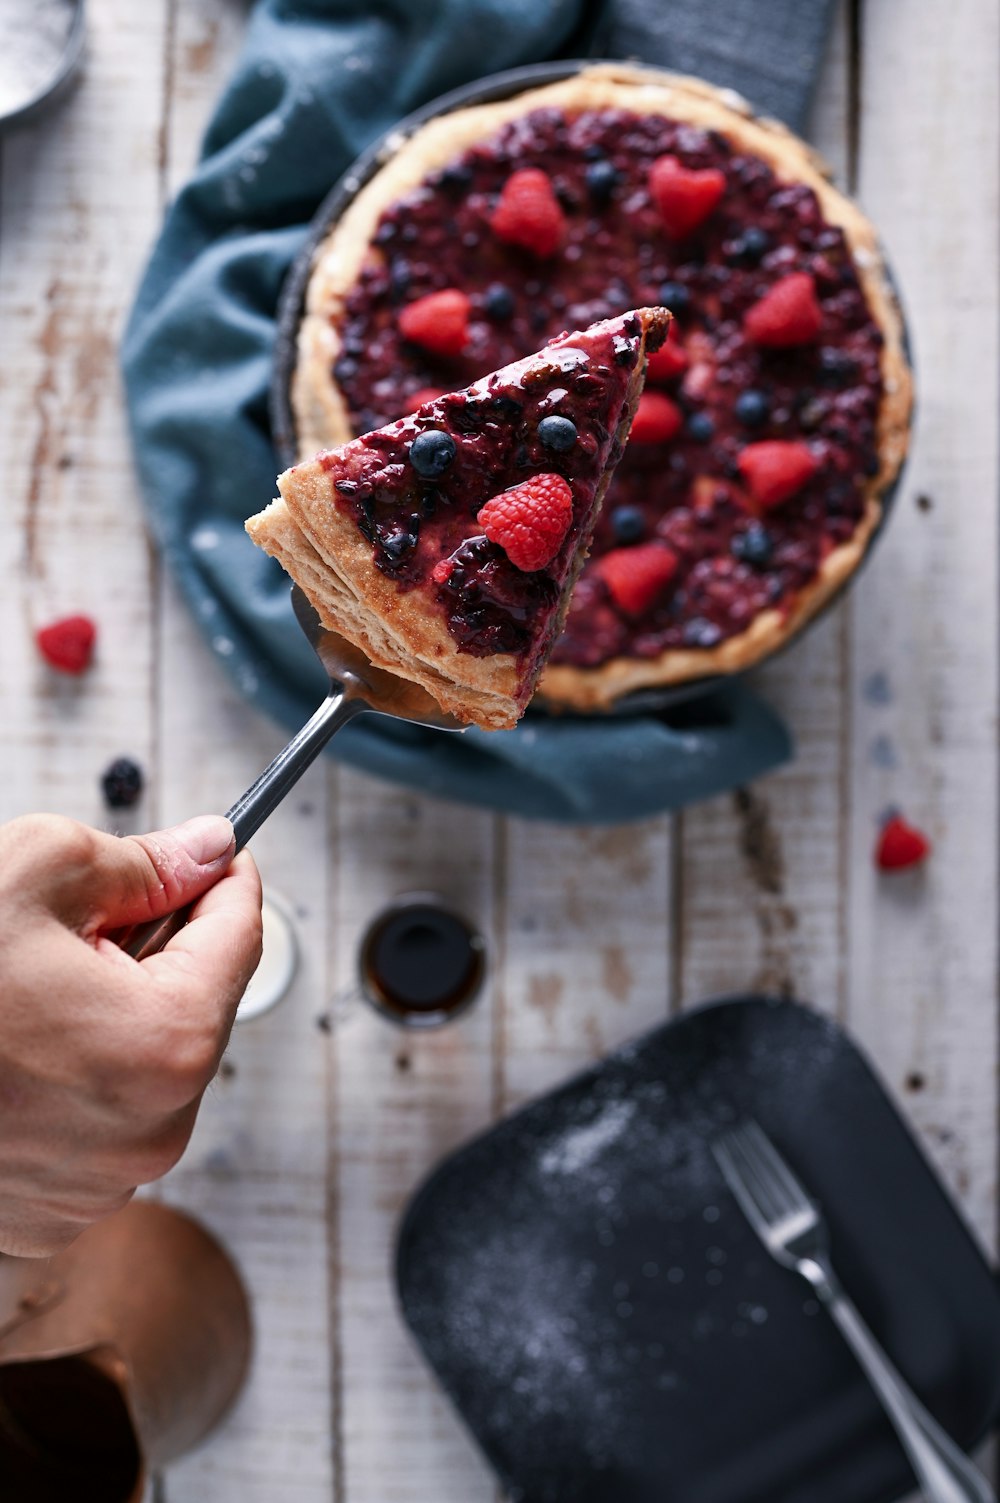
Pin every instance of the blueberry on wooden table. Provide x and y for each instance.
(431, 452)
(122, 783)
(558, 433)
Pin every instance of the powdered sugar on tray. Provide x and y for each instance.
(33, 37)
(580, 1146)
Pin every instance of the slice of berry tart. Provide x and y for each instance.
(777, 412)
(446, 544)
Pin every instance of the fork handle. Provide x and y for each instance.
(252, 807)
(944, 1472)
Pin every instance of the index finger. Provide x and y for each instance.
(219, 948)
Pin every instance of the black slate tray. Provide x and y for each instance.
(609, 1329)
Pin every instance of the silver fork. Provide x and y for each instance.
(791, 1227)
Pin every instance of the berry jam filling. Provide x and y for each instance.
(416, 488)
(616, 253)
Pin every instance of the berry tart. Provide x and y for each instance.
(446, 544)
(777, 413)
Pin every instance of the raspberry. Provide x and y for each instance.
(668, 361)
(528, 213)
(775, 469)
(438, 322)
(684, 196)
(530, 521)
(656, 419)
(788, 314)
(636, 576)
(68, 644)
(900, 845)
(423, 397)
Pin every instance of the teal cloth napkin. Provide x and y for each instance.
(318, 81)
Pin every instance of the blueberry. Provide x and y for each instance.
(752, 246)
(701, 633)
(122, 783)
(628, 524)
(399, 545)
(700, 427)
(836, 367)
(752, 408)
(498, 302)
(431, 452)
(754, 546)
(558, 433)
(602, 179)
(675, 296)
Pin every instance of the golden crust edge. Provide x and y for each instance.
(571, 688)
(321, 414)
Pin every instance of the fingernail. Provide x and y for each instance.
(205, 839)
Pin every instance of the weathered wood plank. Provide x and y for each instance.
(257, 1167)
(402, 1099)
(762, 868)
(923, 949)
(587, 934)
(78, 203)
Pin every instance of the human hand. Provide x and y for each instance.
(104, 1059)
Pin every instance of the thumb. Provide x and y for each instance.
(130, 879)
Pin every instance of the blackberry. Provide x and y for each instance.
(122, 783)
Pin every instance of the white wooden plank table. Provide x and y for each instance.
(310, 1142)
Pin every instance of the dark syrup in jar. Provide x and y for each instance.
(421, 963)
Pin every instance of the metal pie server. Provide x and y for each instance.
(356, 685)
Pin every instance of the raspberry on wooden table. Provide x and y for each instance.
(775, 469)
(68, 644)
(528, 213)
(788, 314)
(900, 845)
(438, 322)
(635, 577)
(530, 521)
(685, 196)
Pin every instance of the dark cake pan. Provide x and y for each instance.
(291, 306)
